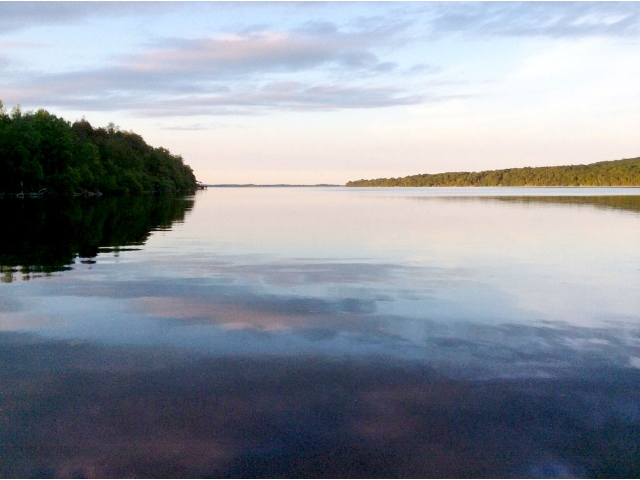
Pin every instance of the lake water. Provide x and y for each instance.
(323, 332)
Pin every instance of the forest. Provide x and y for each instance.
(44, 154)
(616, 173)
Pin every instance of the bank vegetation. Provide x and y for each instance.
(41, 153)
(616, 173)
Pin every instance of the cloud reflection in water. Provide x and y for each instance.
(461, 339)
(124, 411)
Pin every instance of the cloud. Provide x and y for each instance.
(262, 52)
(6, 45)
(21, 15)
(548, 19)
(261, 68)
(177, 76)
(249, 100)
(422, 68)
(300, 97)
(237, 54)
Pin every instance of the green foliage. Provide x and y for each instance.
(39, 150)
(617, 173)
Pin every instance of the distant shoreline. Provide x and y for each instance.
(614, 173)
(252, 185)
(505, 186)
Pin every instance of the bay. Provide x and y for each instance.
(323, 332)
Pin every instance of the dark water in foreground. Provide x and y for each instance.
(323, 332)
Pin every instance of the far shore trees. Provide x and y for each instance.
(616, 173)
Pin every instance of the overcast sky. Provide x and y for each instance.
(330, 92)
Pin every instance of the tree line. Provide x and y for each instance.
(616, 173)
(41, 151)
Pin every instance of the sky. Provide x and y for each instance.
(327, 92)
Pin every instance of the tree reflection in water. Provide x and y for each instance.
(42, 237)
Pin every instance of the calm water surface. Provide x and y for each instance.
(323, 332)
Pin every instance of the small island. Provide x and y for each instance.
(41, 154)
(616, 173)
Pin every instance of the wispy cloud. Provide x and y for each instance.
(193, 76)
(313, 65)
(549, 19)
(22, 15)
(285, 96)
(266, 51)
(279, 96)
(7, 45)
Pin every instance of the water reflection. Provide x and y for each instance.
(618, 202)
(629, 203)
(42, 237)
(125, 412)
(336, 333)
